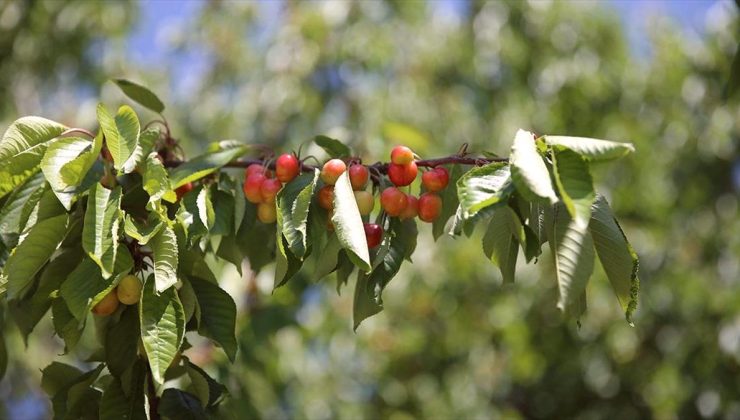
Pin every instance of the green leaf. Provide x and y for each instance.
(115, 404)
(327, 263)
(214, 389)
(143, 232)
(58, 376)
(286, 264)
(162, 321)
(223, 212)
(22, 148)
(122, 342)
(348, 223)
(147, 140)
(218, 315)
(573, 250)
(574, 182)
(121, 133)
(156, 181)
(28, 258)
(165, 254)
(66, 325)
(364, 304)
(17, 209)
(592, 149)
(616, 254)
(140, 94)
(78, 398)
(205, 207)
(482, 187)
(101, 229)
(28, 313)
(293, 202)
(66, 163)
(528, 170)
(3, 354)
(203, 165)
(334, 148)
(181, 405)
(449, 202)
(501, 241)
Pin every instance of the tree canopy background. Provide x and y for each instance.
(452, 341)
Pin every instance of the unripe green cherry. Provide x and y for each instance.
(365, 202)
(129, 290)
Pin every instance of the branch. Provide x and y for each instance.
(378, 166)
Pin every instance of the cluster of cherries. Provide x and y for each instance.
(262, 185)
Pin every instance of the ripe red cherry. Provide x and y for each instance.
(373, 234)
(269, 189)
(365, 202)
(255, 168)
(402, 175)
(332, 170)
(252, 187)
(402, 155)
(393, 201)
(358, 175)
(430, 206)
(436, 179)
(267, 213)
(412, 208)
(326, 197)
(287, 167)
(183, 189)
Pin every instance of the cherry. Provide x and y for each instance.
(436, 179)
(252, 186)
(183, 189)
(267, 213)
(256, 168)
(358, 175)
(402, 155)
(365, 202)
(269, 189)
(287, 167)
(402, 175)
(412, 208)
(107, 305)
(326, 197)
(332, 170)
(373, 234)
(430, 206)
(129, 290)
(393, 201)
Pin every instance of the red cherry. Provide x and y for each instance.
(402, 175)
(183, 189)
(412, 208)
(326, 197)
(393, 201)
(436, 179)
(332, 170)
(254, 168)
(402, 155)
(287, 167)
(373, 234)
(430, 206)
(252, 187)
(358, 175)
(269, 189)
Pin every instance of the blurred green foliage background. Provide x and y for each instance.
(452, 341)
